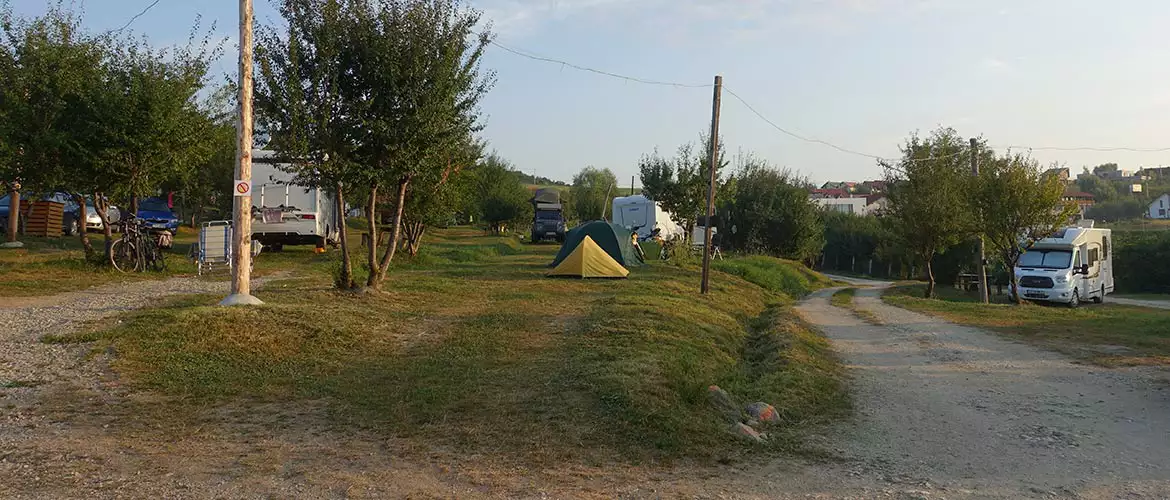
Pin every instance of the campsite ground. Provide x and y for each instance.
(473, 375)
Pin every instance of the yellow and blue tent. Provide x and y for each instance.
(589, 260)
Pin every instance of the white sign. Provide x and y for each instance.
(243, 188)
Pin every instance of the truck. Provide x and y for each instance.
(1071, 266)
(284, 213)
(548, 220)
(643, 215)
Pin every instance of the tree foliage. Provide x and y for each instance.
(769, 212)
(503, 200)
(592, 190)
(680, 184)
(930, 196)
(1018, 206)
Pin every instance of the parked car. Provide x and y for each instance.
(158, 215)
(70, 224)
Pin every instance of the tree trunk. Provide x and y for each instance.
(372, 226)
(81, 218)
(103, 207)
(13, 212)
(395, 234)
(134, 206)
(929, 279)
(346, 278)
(416, 239)
(1015, 284)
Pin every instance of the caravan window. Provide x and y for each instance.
(1093, 256)
(1105, 247)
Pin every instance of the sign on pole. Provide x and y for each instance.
(243, 188)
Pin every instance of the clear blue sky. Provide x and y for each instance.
(858, 73)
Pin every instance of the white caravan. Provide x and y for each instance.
(286, 214)
(644, 215)
(1071, 266)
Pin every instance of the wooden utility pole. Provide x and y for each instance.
(714, 157)
(981, 264)
(14, 214)
(242, 211)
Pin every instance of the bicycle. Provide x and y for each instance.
(137, 249)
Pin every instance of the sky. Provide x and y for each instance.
(860, 74)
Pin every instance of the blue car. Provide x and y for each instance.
(157, 215)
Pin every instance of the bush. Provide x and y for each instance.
(1141, 261)
(775, 275)
(771, 214)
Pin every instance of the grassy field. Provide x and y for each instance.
(1109, 334)
(472, 347)
(47, 266)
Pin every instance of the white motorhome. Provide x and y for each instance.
(644, 215)
(1069, 267)
(287, 214)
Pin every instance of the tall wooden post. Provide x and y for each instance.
(981, 265)
(714, 157)
(14, 214)
(242, 211)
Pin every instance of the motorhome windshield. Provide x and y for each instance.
(1047, 259)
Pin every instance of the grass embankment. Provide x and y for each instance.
(1108, 334)
(472, 347)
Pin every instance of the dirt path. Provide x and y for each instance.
(965, 413)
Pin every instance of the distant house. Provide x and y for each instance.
(1083, 200)
(1160, 207)
(829, 193)
(855, 206)
(1116, 175)
(847, 186)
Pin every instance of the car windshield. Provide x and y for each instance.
(154, 206)
(1047, 259)
(547, 215)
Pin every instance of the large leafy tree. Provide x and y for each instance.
(48, 63)
(438, 195)
(592, 189)
(503, 200)
(1018, 206)
(930, 194)
(416, 88)
(306, 99)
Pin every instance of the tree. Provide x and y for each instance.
(769, 212)
(1101, 189)
(592, 190)
(1104, 168)
(306, 105)
(680, 184)
(930, 195)
(503, 200)
(1018, 206)
(48, 64)
(416, 90)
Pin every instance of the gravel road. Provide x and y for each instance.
(1156, 304)
(965, 413)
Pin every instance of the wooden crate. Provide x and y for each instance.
(45, 219)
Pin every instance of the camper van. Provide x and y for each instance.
(644, 215)
(1073, 265)
(287, 214)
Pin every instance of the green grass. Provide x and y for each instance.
(779, 276)
(844, 298)
(472, 347)
(48, 266)
(1108, 334)
(1144, 296)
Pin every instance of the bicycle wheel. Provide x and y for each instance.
(124, 256)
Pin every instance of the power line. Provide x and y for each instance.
(598, 71)
(887, 162)
(136, 16)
